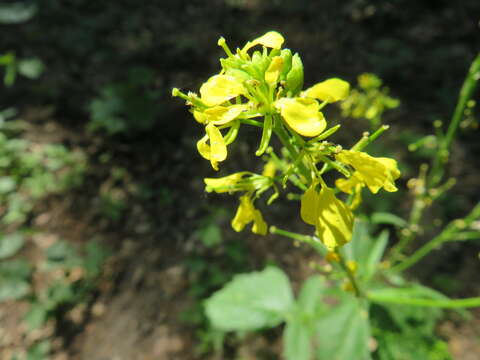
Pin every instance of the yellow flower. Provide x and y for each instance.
(220, 88)
(271, 39)
(219, 115)
(217, 150)
(330, 90)
(247, 213)
(374, 172)
(302, 115)
(352, 185)
(223, 184)
(331, 217)
(269, 169)
(273, 71)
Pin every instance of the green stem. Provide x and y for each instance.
(284, 139)
(450, 304)
(350, 275)
(368, 139)
(310, 240)
(448, 234)
(466, 93)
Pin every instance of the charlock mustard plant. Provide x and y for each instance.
(261, 85)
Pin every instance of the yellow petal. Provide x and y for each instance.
(335, 220)
(271, 39)
(220, 115)
(349, 185)
(376, 173)
(244, 214)
(223, 184)
(218, 149)
(330, 90)
(220, 88)
(200, 117)
(259, 225)
(273, 71)
(203, 148)
(302, 115)
(269, 169)
(308, 206)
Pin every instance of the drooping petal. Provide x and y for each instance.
(349, 185)
(218, 149)
(330, 90)
(302, 115)
(246, 213)
(259, 225)
(220, 88)
(376, 173)
(203, 148)
(308, 206)
(335, 219)
(273, 71)
(271, 39)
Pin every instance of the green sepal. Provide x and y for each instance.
(294, 80)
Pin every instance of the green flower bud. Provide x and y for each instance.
(286, 56)
(294, 80)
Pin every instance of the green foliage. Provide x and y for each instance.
(251, 301)
(123, 107)
(14, 279)
(29, 172)
(65, 292)
(407, 333)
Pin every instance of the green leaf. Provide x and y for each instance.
(343, 333)
(31, 68)
(387, 218)
(296, 340)
(251, 301)
(39, 351)
(309, 299)
(13, 289)
(36, 316)
(18, 269)
(7, 184)
(10, 244)
(375, 255)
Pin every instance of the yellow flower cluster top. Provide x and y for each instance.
(260, 85)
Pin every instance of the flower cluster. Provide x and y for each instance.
(261, 85)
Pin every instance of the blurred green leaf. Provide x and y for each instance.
(7, 184)
(17, 12)
(39, 351)
(296, 340)
(309, 299)
(36, 316)
(13, 289)
(343, 332)
(10, 244)
(251, 301)
(387, 218)
(15, 269)
(375, 255)
(31, 68)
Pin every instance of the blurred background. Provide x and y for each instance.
(109, 242)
